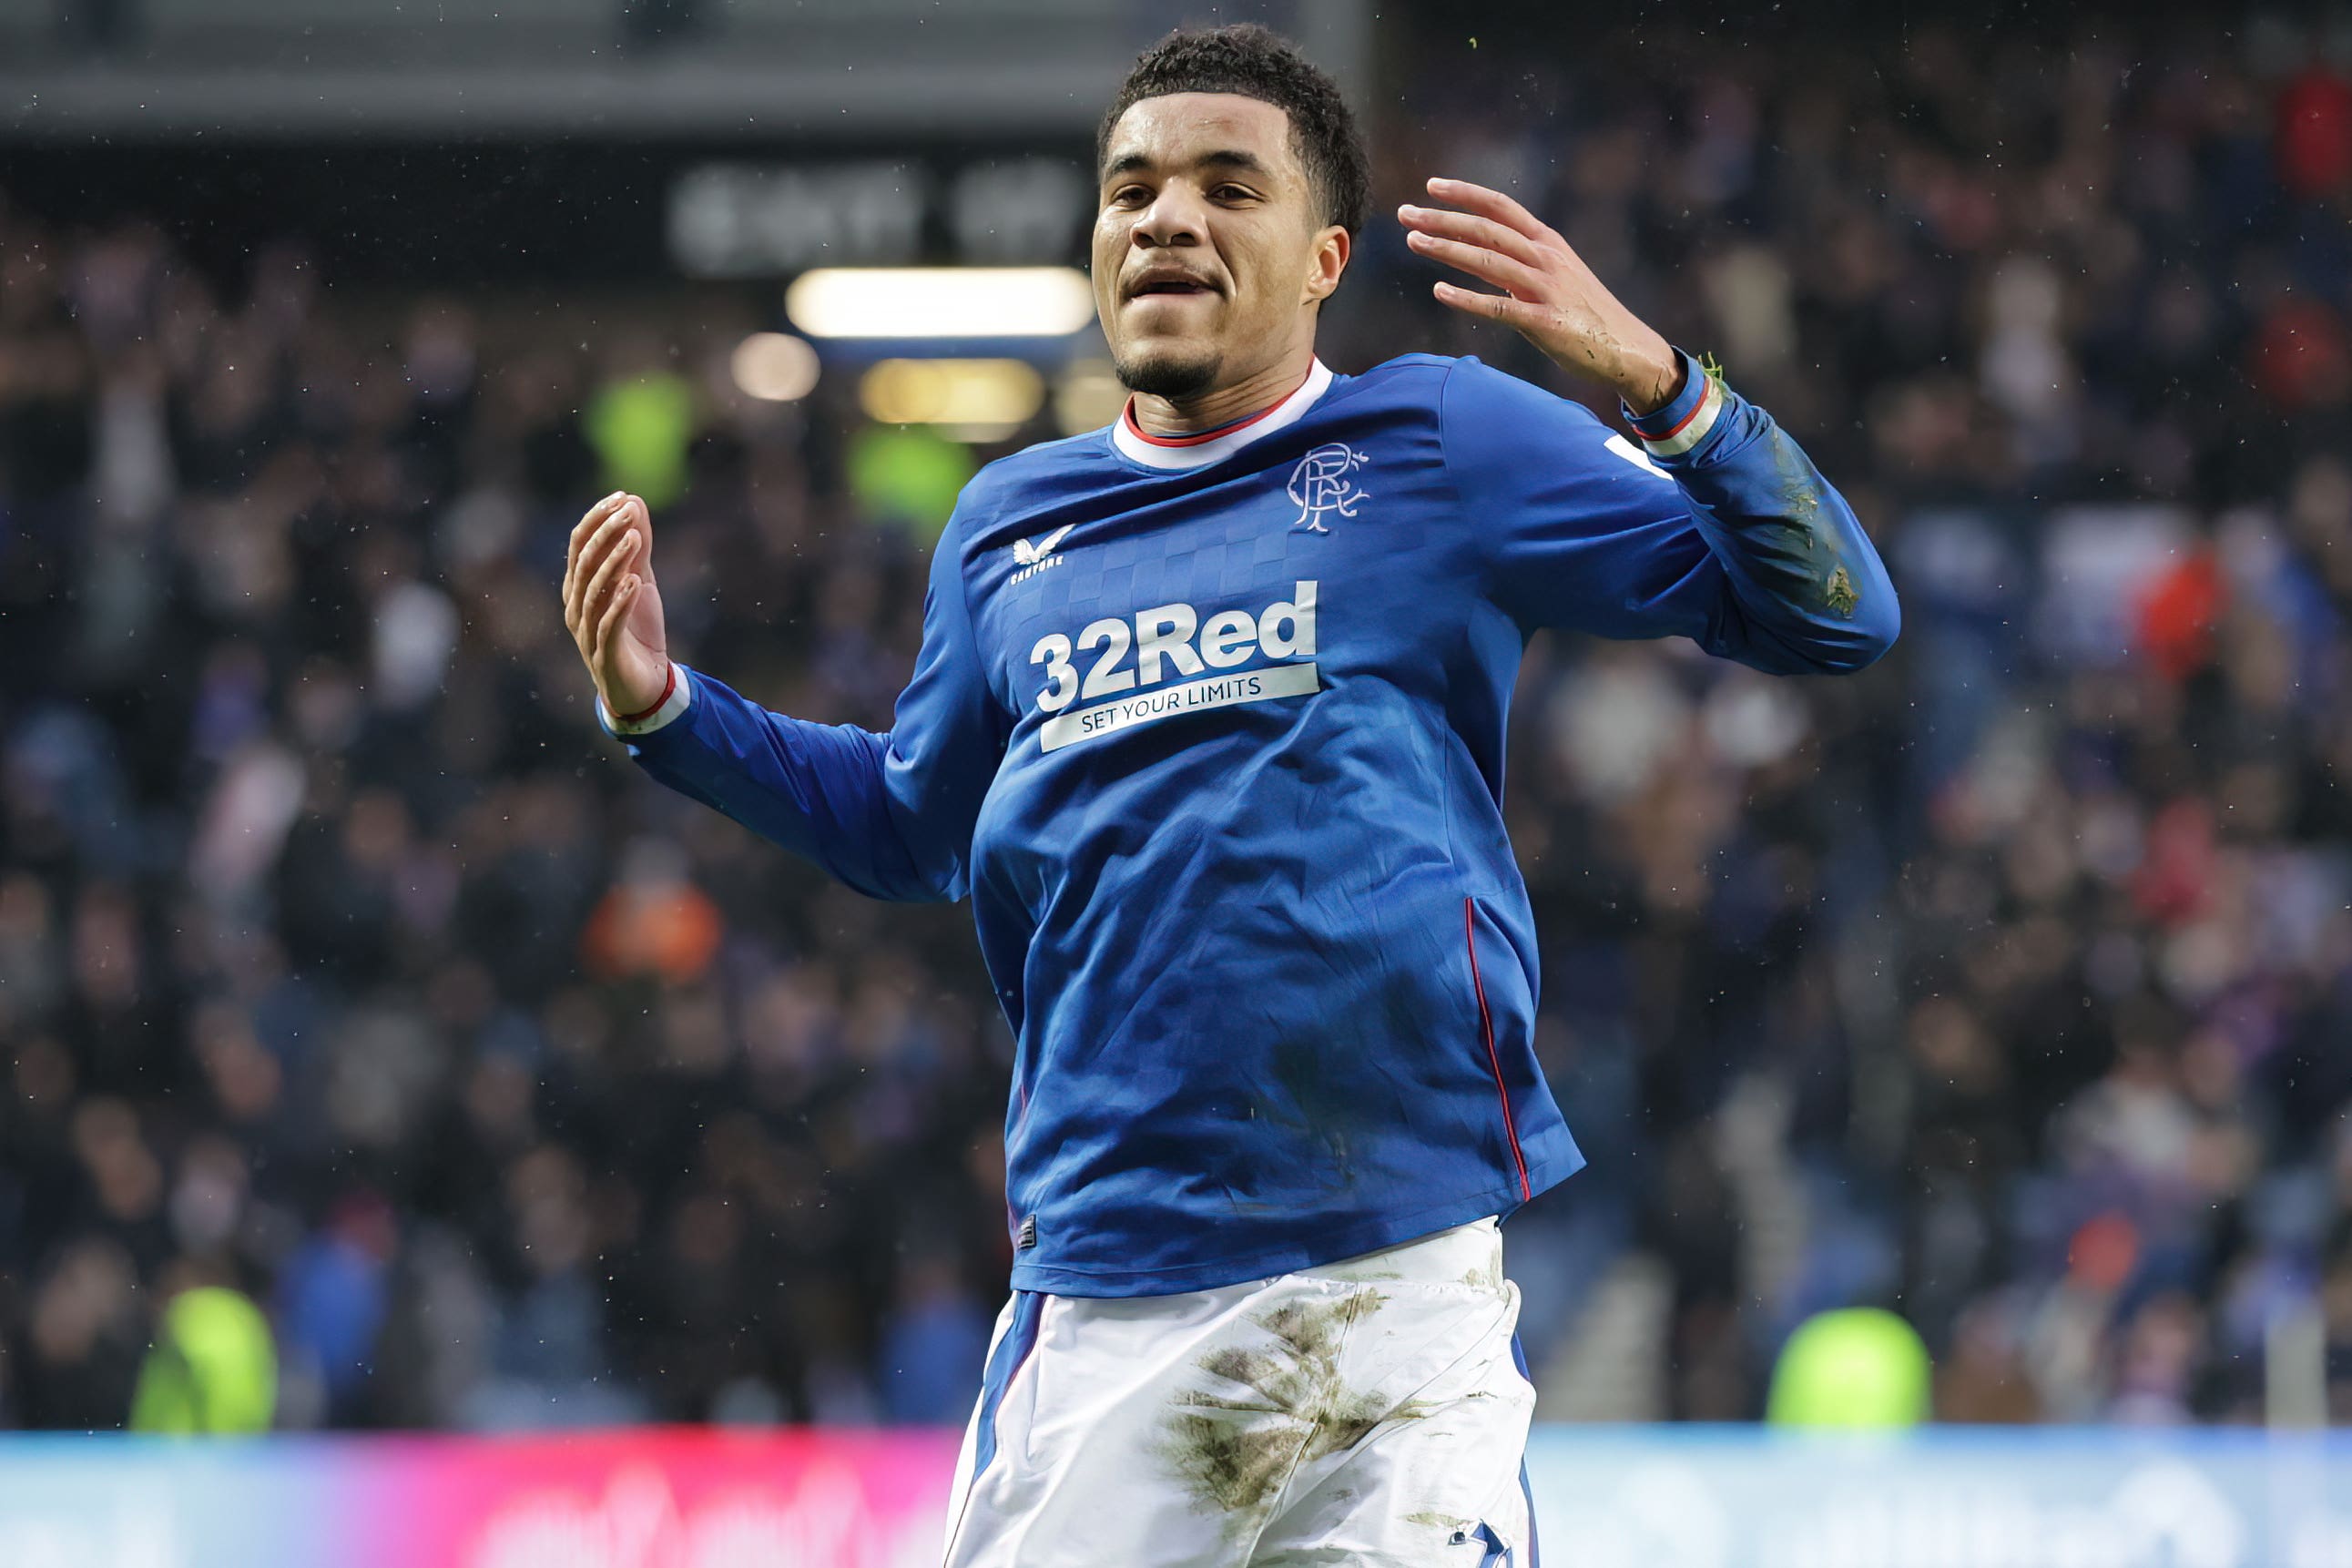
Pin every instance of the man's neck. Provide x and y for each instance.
(1255, 393)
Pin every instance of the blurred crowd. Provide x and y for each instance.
(2009, 985)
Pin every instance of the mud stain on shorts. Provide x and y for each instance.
(1235, 1451)
(1449, 1522)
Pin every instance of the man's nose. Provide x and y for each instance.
(1173, 218)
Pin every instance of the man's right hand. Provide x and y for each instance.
(612, 607)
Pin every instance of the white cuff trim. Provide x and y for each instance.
(672, 705)
(1693, 428)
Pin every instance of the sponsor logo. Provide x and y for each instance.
(1177, 657)
(1192, 697)
(1034, 558)
(1319, 485)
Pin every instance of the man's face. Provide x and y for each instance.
(1209, 254)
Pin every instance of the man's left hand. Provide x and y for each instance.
(1548, 293)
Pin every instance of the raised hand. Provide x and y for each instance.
(1548, 293)
(612, 607)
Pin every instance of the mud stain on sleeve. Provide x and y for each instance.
(1800, 492)
(1799, 555)
(1840, 595)
(1234, 1451)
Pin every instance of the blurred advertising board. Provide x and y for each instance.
(1721, 1496)
(665, 1498)
(1608, 1497)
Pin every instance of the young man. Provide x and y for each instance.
(1207, 723)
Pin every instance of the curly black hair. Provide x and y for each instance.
(1256, 62)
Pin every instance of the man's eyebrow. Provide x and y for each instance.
(1223, 157)
(1234, 158)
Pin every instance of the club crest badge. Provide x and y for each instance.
(1322, 486)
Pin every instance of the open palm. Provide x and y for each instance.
(613, 607)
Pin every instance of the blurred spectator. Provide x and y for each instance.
(936, 1334)
(212, 1368)
(2315, 133)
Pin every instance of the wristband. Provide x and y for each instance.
(669, 685)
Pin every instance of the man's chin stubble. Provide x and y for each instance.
(1164, 376)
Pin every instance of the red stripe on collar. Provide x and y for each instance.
(1140, 433)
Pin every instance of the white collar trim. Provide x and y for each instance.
(1287, 412)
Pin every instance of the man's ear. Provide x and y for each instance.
(1332, 249)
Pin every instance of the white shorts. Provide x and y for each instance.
(1368, 1412)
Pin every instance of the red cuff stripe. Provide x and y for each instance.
(1681, 424)
(669, 686)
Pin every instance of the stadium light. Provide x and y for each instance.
(775, 367)
(973, 399)
(940, 302)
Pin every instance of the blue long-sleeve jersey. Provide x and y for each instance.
(1212, 735)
